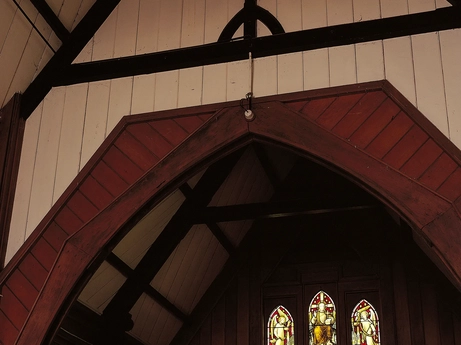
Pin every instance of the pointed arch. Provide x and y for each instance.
(322, 319)
(280, 327)
(391, 150)
(365, 324)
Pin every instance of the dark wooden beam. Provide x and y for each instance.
(221, 237)
(127, 271)
(440, 19)
(11, 135)
(273, 210)
(50, 17)
(67, 53)
(267, 166)
(179, 225)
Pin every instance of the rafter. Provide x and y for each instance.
(67, 53)
(53, 21)
(273, 210)
(440, 19)
(170, 237)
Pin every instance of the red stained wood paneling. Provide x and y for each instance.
(438, 172)
(205, 117)
(422, 159)
(296, 105)
(189, 123)
(406, 147)
(112, 182)
(68, 220)
(359, 113)
(44, 253)
(23, 289)
(96, 193)
(8, 333)
(375, 123)
(82, 207)
(137, 152)
(451, 188)
(170, 130)
(150, 138)
(390, 135)
(314, 108)
(33, 271)
(338, 109)
(13, 308)
(55, 236)
(122, 165)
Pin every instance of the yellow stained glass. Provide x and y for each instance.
(322, 320)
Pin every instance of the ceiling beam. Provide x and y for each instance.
(279, 209)
(66, 54)
(440, 19)
(51, 18)
(177, 228)
(127, 271)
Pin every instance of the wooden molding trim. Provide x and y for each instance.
(367, 132)
(11, 134)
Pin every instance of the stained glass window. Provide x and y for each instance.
(280, 327)
(322, 320)
(365, 324)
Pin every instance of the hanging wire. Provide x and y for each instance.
(33, 25)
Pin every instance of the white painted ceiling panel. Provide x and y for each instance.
(102, 287)
(191, 268)
(135, 244)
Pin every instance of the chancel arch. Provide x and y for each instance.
(389, 150)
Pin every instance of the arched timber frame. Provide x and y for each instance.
(367, 132)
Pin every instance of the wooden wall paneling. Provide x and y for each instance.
(233, 7)
(457, 327)
(192, 34)
(370, 61)
(430, 93)
(442, 3)
(218, 322)
(70, 141)
(68, 13)
(126, 28)
(206, 332)
(214, 76)
(169, 29)
(30, 62)
(339, 12)
(265, 76)
(243, 308)
(430, 314)
(41, 198)
(94, 130)
(23, 289)
(20, 211)
(166, 90)
(271, 6)
(415, 311)
(451, 68)
(231, 319)
(190, 87)
(238, 80)
(343, 69)
(415, 6)
(392, 8)
(14, 46)
(146, 41)
(315, 62)
(8, 10)
(398, 59)
(104, 38)
(366, 10)
(120, 98)
(290, 66)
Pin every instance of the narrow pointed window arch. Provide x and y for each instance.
(322, 320)
(365, 324)
(280, 327)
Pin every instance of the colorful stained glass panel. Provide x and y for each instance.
(365, 324)
(322, 320)
(280, 327)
